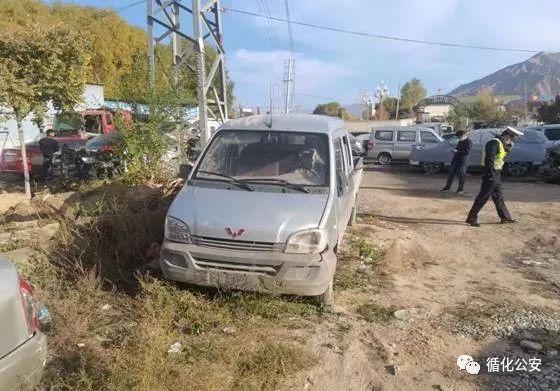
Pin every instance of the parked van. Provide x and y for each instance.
(265, 207)
(390, 144)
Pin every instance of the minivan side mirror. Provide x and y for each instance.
(184, 170)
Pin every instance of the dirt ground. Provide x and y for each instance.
(457, 289)
(462, 287)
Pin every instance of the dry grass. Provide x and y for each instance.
(375, 313)
(112, 329)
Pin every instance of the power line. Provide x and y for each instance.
(382, 36)
(130, 5)
(268, 24)
(289, 27)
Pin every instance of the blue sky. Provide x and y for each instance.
(335, 66)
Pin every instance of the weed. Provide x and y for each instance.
(374, 313)
(369, 252)
(263, 369)
(13, 244)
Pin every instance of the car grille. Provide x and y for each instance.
(241, 245)
(236, 266)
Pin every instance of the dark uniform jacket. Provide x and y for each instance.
(463, 150)
(48, 146)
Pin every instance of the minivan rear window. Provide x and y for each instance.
(384, 135)
(297, 157)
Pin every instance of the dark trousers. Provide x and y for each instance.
(490, 188)
(47, 161)
(458, 170)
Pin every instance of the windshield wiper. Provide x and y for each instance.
(280, 182)
(231, 179)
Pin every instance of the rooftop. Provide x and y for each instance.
(289, 122)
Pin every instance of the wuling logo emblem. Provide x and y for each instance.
(235, 234)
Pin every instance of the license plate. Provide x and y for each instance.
(227, 280)
(414, 162)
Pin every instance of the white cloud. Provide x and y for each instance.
(256, 69)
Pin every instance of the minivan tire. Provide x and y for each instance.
(384, 159)
(327, 297)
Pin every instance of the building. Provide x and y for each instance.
(434, 108)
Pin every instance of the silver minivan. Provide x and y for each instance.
(388, 144)
(265, 207)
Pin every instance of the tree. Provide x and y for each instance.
(39, 65)
(333, 109)
(549, 113)
(482, 108)
(411, 94)
(387, 109)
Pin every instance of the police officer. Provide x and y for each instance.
(459, 163)
(48, 146)
(493, 157)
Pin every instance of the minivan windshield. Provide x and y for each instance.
(297, 158)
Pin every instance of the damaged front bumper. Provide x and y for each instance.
(257, 271)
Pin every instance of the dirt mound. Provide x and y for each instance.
(549, 240)
(26, 211)
(406, 255)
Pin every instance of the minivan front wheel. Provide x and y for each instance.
(384, 159)
(327, 297)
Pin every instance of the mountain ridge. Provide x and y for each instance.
(538, 75)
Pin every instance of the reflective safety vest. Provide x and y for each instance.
(499, 160)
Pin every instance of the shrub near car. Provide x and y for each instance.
(23, 348)
(265, 207)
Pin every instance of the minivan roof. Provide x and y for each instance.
(386, 128)
(287, 122)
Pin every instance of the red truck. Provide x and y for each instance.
(72, 128)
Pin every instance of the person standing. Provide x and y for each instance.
(459, 163)
(493, 157)
(48, 146)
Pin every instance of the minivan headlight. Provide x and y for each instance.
(176, 230)
(311, 241)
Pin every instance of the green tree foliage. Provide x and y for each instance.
(118, 50)
(482, 108)
(387, 109)
(549, 113)
(332, 109)
(39, 65)
(412, 93)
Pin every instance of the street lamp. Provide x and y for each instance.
(382, 91)
(368, 100)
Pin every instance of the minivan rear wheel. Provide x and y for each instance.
(327, 297)
(384, 159)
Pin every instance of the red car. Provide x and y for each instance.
(12, 163)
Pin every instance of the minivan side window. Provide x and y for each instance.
(406, 136)
(339, 166)
(347, 151)
(428, 138)
(384, 135)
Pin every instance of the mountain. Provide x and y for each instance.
(539, 75)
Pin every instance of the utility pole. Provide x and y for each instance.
(271, 97)
(207, 27)
(525, 98)
(288, 84)
(398, 103)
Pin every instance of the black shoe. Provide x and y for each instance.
(445, 189)
(508, 221)
(472, 223)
